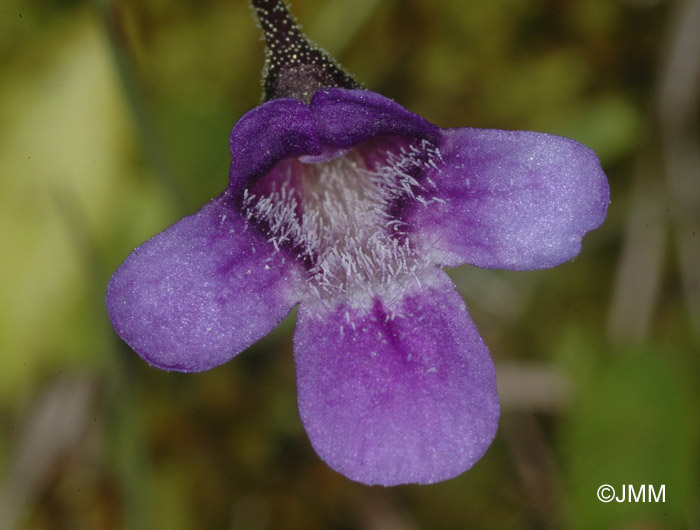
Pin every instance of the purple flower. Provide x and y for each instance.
(344, 203)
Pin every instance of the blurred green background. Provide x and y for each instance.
(114, 123)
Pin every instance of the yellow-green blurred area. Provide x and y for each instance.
(114, 123)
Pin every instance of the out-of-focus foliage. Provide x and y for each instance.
(114, 123)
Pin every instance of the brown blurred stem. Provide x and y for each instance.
(677, 106)
(639, 271)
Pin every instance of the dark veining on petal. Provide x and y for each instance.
(294, 66)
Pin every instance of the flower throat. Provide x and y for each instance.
(339, 216)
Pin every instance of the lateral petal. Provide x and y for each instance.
(199, 293)
(510, 200)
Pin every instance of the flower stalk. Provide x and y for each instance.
(294, 66)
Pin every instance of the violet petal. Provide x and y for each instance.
(408, 398)
(197, 294)
(346, 118)
(510, 200)
(268, 133)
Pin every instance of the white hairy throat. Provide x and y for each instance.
(336, 215)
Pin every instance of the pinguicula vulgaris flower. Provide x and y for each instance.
(344, 203)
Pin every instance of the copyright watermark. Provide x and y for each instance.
(606, 493)
(630, 493)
